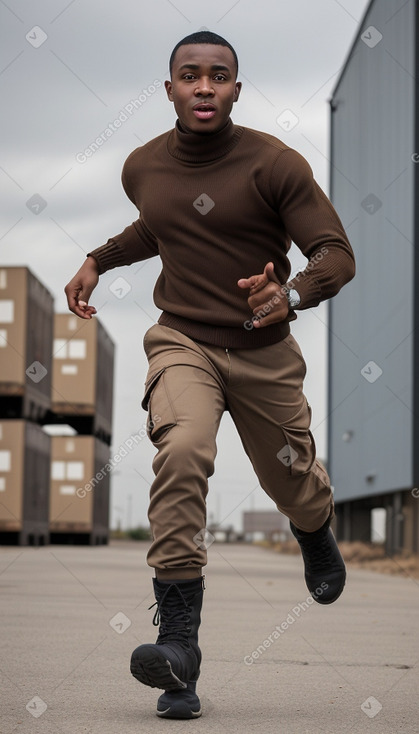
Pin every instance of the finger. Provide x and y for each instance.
(84, 313)
(79, 307)
(247, 282)
(255, 282)
(269, 273)
(271, 318)
(258, 300)
(268, 270)
(83, 305)
(85, 309)
(269, 297)
(275, 309)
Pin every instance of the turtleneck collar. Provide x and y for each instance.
(194, 148)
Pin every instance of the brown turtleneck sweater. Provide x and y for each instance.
(217, 208)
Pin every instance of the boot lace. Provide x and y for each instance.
(318, 554)
(172, 614)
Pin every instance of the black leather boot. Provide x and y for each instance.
(173, 662)
(180, 704)
(325, 572)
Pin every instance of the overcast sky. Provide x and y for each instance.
(67, 69)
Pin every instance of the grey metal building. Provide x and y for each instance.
(374, 337)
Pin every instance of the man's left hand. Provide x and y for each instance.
(267, 297)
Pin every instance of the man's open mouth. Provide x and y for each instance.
(204, 111)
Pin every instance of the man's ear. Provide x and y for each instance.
(169, 91)
(237, 91)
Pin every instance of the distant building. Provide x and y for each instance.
(373, 433)
(269, 524)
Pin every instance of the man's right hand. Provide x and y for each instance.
(79, 289)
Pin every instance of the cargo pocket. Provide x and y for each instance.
(293, 345)
(157, 402)
(299, 452)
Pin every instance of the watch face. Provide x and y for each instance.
(293, 298)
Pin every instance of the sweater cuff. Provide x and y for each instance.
(308, 289)
(107, 256)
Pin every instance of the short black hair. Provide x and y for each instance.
(203, 37)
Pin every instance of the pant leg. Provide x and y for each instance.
(185, 400)
(271, 413)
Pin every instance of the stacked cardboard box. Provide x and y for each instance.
(79, 500)
(82, 378)
(26, 334)
(53, 369)
(25, 451)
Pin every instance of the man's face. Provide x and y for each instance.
(203, 86)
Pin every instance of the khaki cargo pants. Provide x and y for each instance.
(189, 385)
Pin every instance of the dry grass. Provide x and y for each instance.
(370, 556)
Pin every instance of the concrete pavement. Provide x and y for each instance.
(272, 660)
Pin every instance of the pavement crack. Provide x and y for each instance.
(397, 666)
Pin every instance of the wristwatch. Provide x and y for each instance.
(293, 298)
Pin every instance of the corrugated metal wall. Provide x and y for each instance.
(371, 320)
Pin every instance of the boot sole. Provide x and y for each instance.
(179, 710)
(322, 601)
(154, 670)
(180, 704)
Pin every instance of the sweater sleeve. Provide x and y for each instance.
(134, 244)
(313, 224)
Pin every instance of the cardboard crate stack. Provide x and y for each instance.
(53, 369)
(82, 395)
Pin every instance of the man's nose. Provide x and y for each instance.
(204, 86)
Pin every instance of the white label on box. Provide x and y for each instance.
(70, 446)
(7, 311)
(77, 349)
(3, 338)
(5, 460)
(60, 348)
(69, 369)
(2, 484)
(67, 489)
(58, 470)
(3, 279)
(72, 323)
(75, 469)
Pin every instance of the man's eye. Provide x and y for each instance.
(219, 78)
(189, 76)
